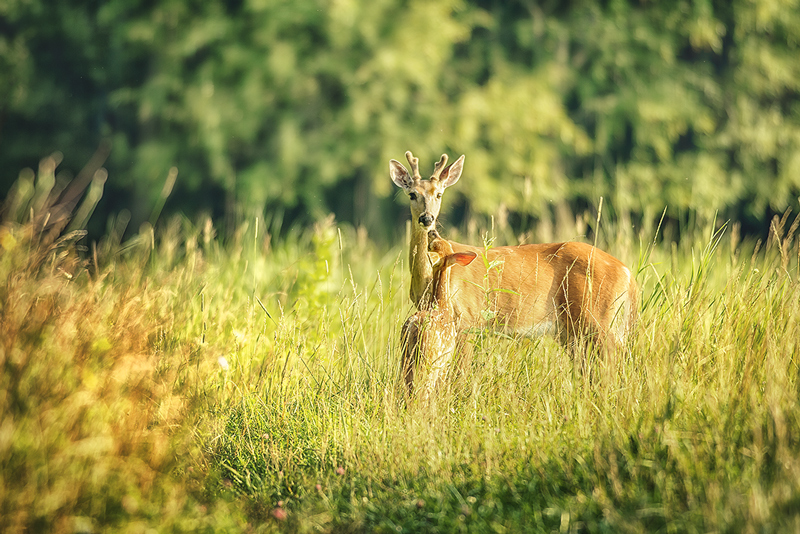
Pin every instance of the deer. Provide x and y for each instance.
(571, 291)
(429, 336)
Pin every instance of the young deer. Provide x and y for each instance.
(429, 336)
(568, 290)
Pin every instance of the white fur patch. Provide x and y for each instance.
(543, 328)
(619, 323)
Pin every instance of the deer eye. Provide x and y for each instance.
(438, 195)
(412, 196)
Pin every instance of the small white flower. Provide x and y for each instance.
(238, 335)
(223, 363)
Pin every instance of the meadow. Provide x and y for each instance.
(176, 382)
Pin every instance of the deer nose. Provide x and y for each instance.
(426, 220)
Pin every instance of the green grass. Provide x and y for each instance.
(171, 382)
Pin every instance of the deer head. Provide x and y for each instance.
(425, 195)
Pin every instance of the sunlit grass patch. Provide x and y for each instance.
(172, 381)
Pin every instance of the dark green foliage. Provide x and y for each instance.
(297, 106)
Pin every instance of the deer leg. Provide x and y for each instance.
(410, 341)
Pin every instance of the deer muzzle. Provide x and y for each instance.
(426, 220)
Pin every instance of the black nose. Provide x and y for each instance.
(425, 220)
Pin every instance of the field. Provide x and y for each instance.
(174, 382)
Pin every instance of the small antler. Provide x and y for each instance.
(439, 167)
(414, 162)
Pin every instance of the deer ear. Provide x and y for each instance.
(461, 258)
(400, 175)
(452, 172)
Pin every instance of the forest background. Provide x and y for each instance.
(293, 108)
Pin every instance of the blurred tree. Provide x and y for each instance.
(760, 126)
(52, 84)
(297, 106)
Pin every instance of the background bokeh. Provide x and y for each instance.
(292, 109)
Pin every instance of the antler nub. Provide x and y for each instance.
(414, 162)
(439, 167)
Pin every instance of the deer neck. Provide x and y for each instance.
(421, 268)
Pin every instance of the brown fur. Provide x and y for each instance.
(566, 289)
(429, 336)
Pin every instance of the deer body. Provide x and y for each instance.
(429, 336)
(559, 289)
(562, 289)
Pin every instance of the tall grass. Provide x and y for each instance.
(174, 382)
